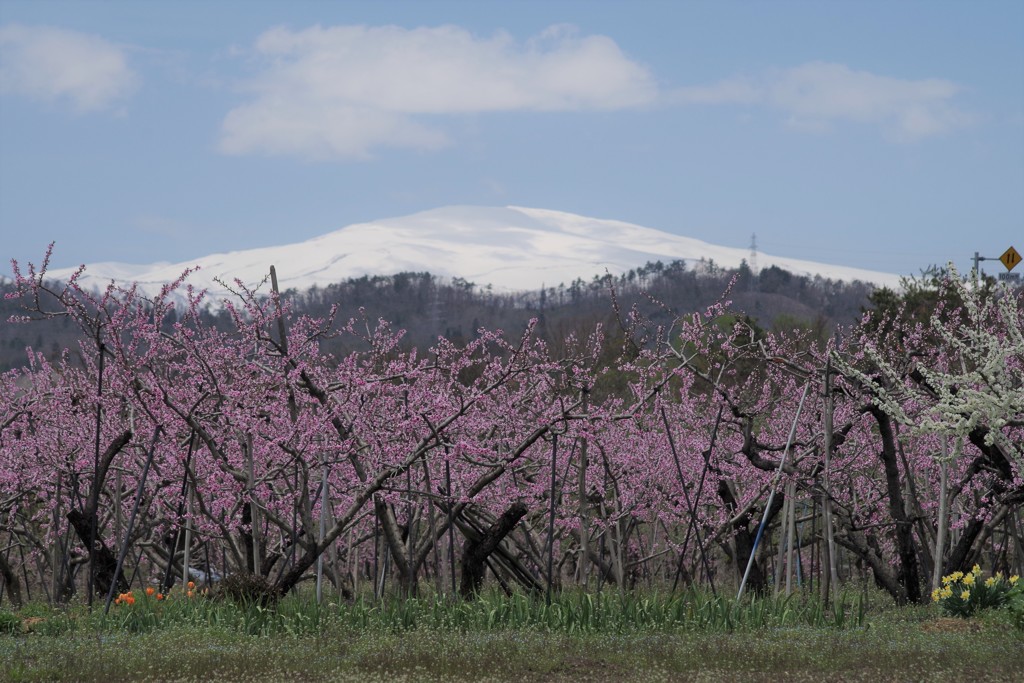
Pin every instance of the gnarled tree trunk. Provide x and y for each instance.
(476, 551)
(10, 582)
(104, 560)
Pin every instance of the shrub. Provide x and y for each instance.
(248, 588)
(1015, 603)
(9, 623)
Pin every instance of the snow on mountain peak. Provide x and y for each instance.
(510, 248)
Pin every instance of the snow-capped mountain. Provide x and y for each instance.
(510, 248)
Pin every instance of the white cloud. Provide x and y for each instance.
(48, 63)
(817, 94)
(320, 130)
(339, 92)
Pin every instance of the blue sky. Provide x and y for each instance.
(881, 135)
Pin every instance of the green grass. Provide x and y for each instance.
(570, 613)
(601, 637)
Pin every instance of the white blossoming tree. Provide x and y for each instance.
(969, 384)
(960, 376)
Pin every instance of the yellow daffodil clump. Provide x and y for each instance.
(963, 594)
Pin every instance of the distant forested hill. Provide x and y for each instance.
(426, 306)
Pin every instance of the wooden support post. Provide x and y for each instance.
(324, 499)
(551, 520)
(187, 561)
(254, 519)
(940, 536)
(790, 537)
(451, 520)
(581, 493)
(830, 581)
(780, 550)
(57, 557)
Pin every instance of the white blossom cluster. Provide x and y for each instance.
(974, 378)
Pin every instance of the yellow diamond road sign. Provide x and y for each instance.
(1010, 258)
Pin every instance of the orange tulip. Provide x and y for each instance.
(150, 590)
(159, 596)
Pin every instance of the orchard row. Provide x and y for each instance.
(702, 450)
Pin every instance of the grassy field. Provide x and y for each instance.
(578, 638)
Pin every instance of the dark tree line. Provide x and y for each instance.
(427, 307)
